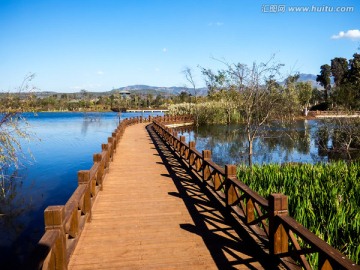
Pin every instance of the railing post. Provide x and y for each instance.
(97, 158)
(105, 148)
(206, 154)
(230, 191)
(111, 149)
(278, 206)
(114, 139)
(84, 179)
(54, 218)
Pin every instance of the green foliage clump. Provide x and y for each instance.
(325, 198)
(213, 112)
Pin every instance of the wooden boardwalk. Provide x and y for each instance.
(154, 214)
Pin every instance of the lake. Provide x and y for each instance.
(64, 143)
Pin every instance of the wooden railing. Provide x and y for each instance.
(267, 218)
(65, 223)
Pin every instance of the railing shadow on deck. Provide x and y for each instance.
(229, 243)
(267, 218)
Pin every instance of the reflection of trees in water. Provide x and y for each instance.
(90, 119)
(13, 205)
(339, 139)
(287, 139)
(229, 143)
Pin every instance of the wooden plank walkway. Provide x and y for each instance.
(153, 214)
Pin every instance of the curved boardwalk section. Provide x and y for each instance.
(154, 214)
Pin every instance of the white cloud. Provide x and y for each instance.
(164, 50)
(100, 72)
(351, 34)
(157, 69)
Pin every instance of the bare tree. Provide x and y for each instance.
(13, 128)
(190, 78)
(258, 100)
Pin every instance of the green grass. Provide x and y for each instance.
(324, 197)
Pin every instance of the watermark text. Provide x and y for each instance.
(277, 8)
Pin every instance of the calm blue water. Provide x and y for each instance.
(64, 143)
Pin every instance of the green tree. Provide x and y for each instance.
(324, 79)
(184, 97)
(305, 94)
(317, 96)
(290, 98)
(346, 94)
(214, 82)
(339, 70)
(354, 71)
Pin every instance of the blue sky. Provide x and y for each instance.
(100, 44)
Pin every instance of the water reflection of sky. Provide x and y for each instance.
(228, 144)
(63, 144)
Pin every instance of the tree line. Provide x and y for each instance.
(86, 101)
(344, 92)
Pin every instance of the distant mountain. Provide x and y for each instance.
(310, 78)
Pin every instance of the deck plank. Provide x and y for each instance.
(144, 219)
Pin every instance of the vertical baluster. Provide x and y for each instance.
(206, 154)
(230, 191)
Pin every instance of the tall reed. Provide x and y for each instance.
(324, 197)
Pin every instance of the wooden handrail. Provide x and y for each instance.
(267, 218)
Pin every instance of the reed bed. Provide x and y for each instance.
(323, 197)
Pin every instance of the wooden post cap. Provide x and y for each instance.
(54, 216)
(83, 177)
(206, 154)
(230, 170)
(278, 203)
